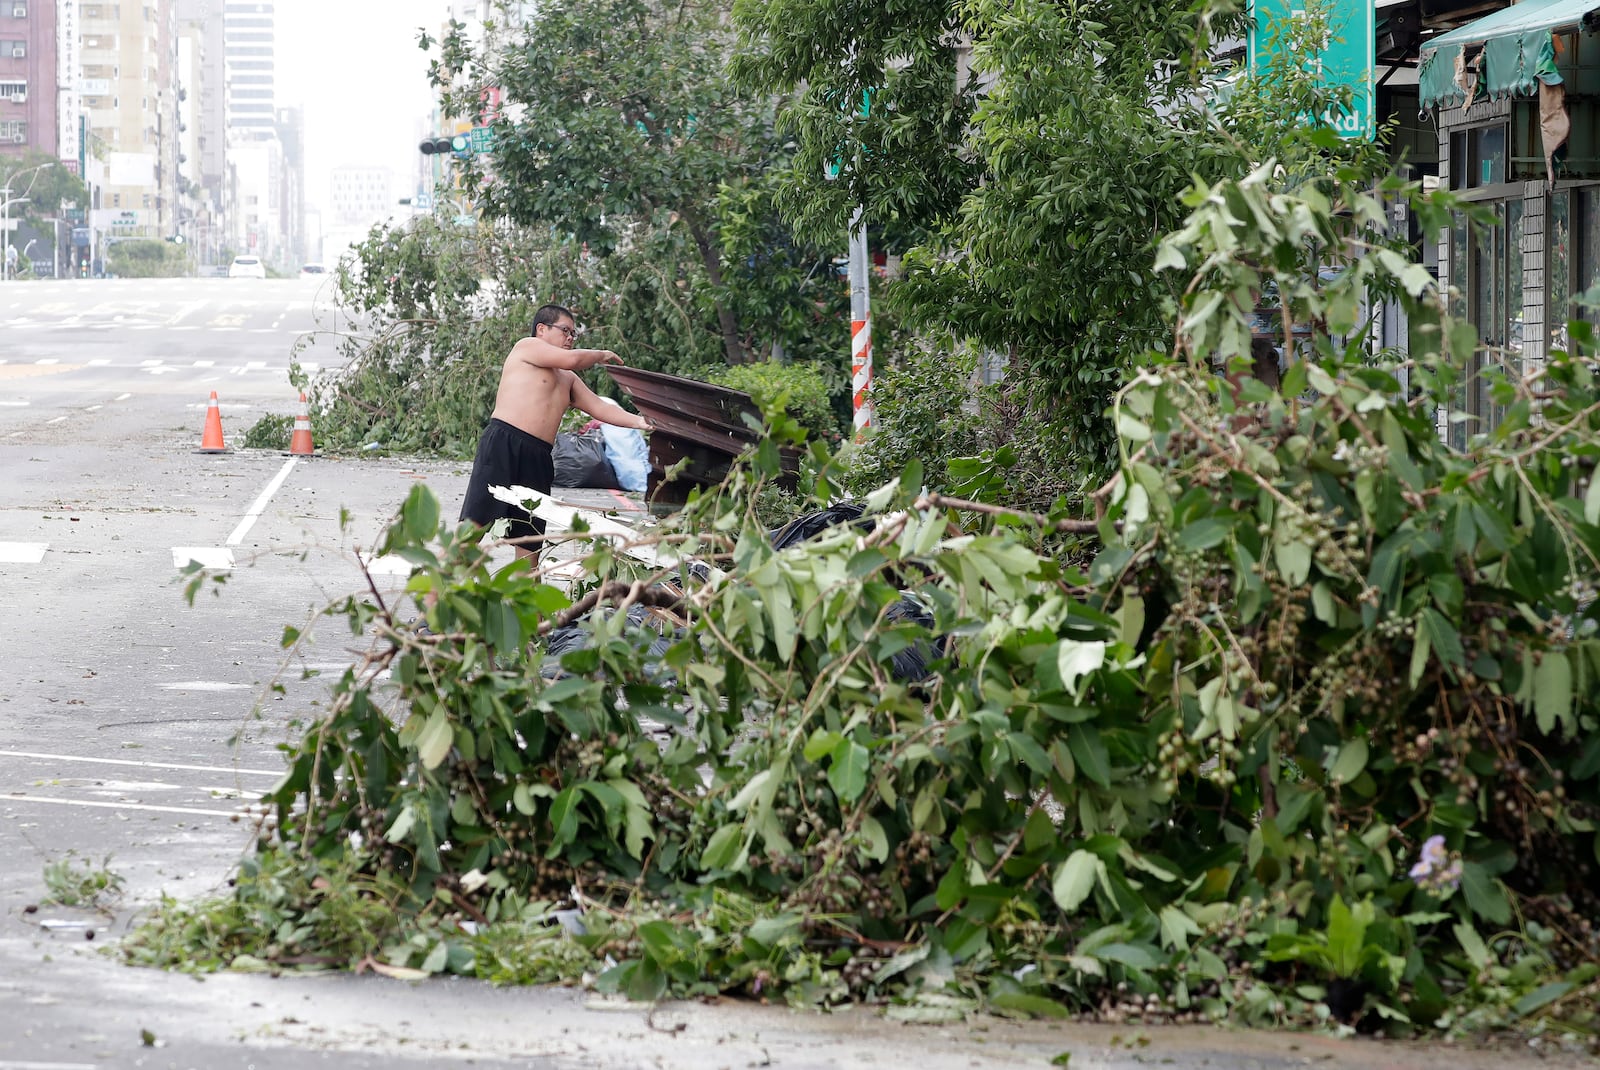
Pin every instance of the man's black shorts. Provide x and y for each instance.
(507, 457)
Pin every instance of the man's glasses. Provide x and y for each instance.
(570, 332)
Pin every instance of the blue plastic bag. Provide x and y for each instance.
(629, 457)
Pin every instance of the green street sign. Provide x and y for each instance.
(1345, 58)
(482, 138)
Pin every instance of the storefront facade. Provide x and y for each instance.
(1514, 96)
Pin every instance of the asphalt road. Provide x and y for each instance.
(135, 731)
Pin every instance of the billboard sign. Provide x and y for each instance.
(1344, 57)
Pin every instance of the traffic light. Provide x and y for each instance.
(459, 145)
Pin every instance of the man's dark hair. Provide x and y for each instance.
(549, 316)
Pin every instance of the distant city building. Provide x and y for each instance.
(250, 30)
(129, 92)
(203, 96)
(29, 77)
(361, 196)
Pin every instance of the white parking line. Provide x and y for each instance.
(92, 408)
(135, 763)
(12, 797)
(57, 420)
(122, 397)
(22, 553)
(212, 557)
(220, 558)
(261, 503)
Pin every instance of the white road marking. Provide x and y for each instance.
(92, 408)
(387, 565)
(22, 553)
(12, 797)
(254, 365)
(122, 397)
(57, 420)
(205, 364)
(13, 404)
(261, 503)
(47, 360)
(135, 763)
(13, 1064)
(213, 557)
(99, 362)
(204, 685)
(149, 363)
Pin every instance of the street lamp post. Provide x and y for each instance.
(5, 229)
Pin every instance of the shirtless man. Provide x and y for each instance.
(537, 386)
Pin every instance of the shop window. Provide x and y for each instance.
(1572, 260)
(1478, 157)
(1486, 277)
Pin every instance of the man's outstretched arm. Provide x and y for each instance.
(604, 409)
(542, 354)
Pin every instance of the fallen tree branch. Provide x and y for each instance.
(659, 597)
(940, 501)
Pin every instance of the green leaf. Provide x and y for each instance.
(1484, 894)
(1591, 501)
(522, 799)
(1293, 560)
(847, 772)
(1071, 661)
(1203, 534)
(877, 841)
(1177, 927)
(1074, 880)
(434, 741)
(1351, 761)
(1089, 750)
(1472, 944)
(722, 850)
(564, 817)
(1031, 1005)
(1552, 692)
(1541, 997)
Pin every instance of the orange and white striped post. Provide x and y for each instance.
(860, 327)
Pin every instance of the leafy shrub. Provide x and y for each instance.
(799, 386)
(1314, 735)
(271, 432)
(141, 258)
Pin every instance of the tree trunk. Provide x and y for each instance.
(732, 344)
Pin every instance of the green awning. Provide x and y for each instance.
(1517, 52)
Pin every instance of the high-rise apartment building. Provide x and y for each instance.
(250, 29)
(202, 76)
(29, 107)
(130, 94)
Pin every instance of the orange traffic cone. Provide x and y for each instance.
(300, 441)
(211, 437)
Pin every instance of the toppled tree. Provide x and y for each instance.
(1315, 734)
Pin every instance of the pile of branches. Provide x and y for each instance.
(1313, 737)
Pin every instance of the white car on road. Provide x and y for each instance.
(247, 267)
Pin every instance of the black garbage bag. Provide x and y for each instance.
(910, 665)
(642, 629)
(580, 461)
(802, 528)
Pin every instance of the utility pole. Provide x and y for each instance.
(860, 326)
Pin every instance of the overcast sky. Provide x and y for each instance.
(355, 67)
